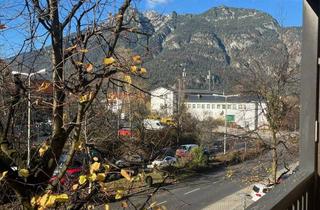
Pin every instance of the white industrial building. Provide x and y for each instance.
(238, 110)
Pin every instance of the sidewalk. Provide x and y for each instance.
(239, 200)
(236, 201)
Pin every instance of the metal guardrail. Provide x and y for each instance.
(295, 193)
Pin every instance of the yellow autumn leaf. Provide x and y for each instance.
(82, 179)
(3, 175)
(50, 201)
(136, 59)
(94, 167)
(43, 149)
(89, 67)
(62, 198)
(106, 207)
(83, 50)
(43, 86)
(133, 69)
(108, 61)
(23, 172)
(86, 97)
(93, 177)
(106, 167)
(143, 71)
(33, 201)
(125, 174)
(127, 78)
(101, 177)
(119, 194)
(43, 200)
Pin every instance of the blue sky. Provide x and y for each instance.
(287, 12)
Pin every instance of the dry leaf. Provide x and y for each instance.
(82, 179)
(108, 61)
(89, 68)
(23, 172)
(125, 174)
(3, 175)
(94, 167)
(43, 149)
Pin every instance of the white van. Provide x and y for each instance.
(151, 124)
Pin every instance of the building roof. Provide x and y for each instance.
(216, 99)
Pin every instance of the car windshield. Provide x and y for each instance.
(256, 189)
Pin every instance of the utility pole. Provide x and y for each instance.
(209, 80)
(29, 75)
(181, 88)
(225, 119)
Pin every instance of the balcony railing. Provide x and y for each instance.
(296, 193)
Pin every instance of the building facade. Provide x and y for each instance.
(237, 110)
(163, 101)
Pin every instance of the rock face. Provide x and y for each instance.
(221, 40)
(218, 40)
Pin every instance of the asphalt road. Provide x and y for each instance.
(194, 193)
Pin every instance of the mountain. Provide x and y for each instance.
(218, 40)
(221, 40)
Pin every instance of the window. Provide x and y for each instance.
(234, 106)
(213, 106)
(193, 106)
(218, 106)
(208, 106)
(244, 106)
(240, 106)
(229, 106)
(202, 106)
(198, 106)
(189, 105)
(223, 106)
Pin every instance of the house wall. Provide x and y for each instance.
(162, 101)
(247, 115)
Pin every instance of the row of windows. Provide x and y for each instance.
(217, 106)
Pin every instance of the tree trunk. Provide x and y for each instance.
(59, 138)
(274, 158)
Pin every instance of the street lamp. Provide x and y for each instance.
(29, 75)
(225, 119)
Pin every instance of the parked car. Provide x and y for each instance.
(122, 163)
(183, 150)
(134, 159)
(259, 190)
(167, 161)
(72, 172)
(151, 124)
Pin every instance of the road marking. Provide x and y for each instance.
(161, 203)
(192, 191)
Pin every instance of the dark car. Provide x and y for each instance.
(72, 172)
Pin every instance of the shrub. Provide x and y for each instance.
(199, 159)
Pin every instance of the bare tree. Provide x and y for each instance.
(75, 31)
(273, 83)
